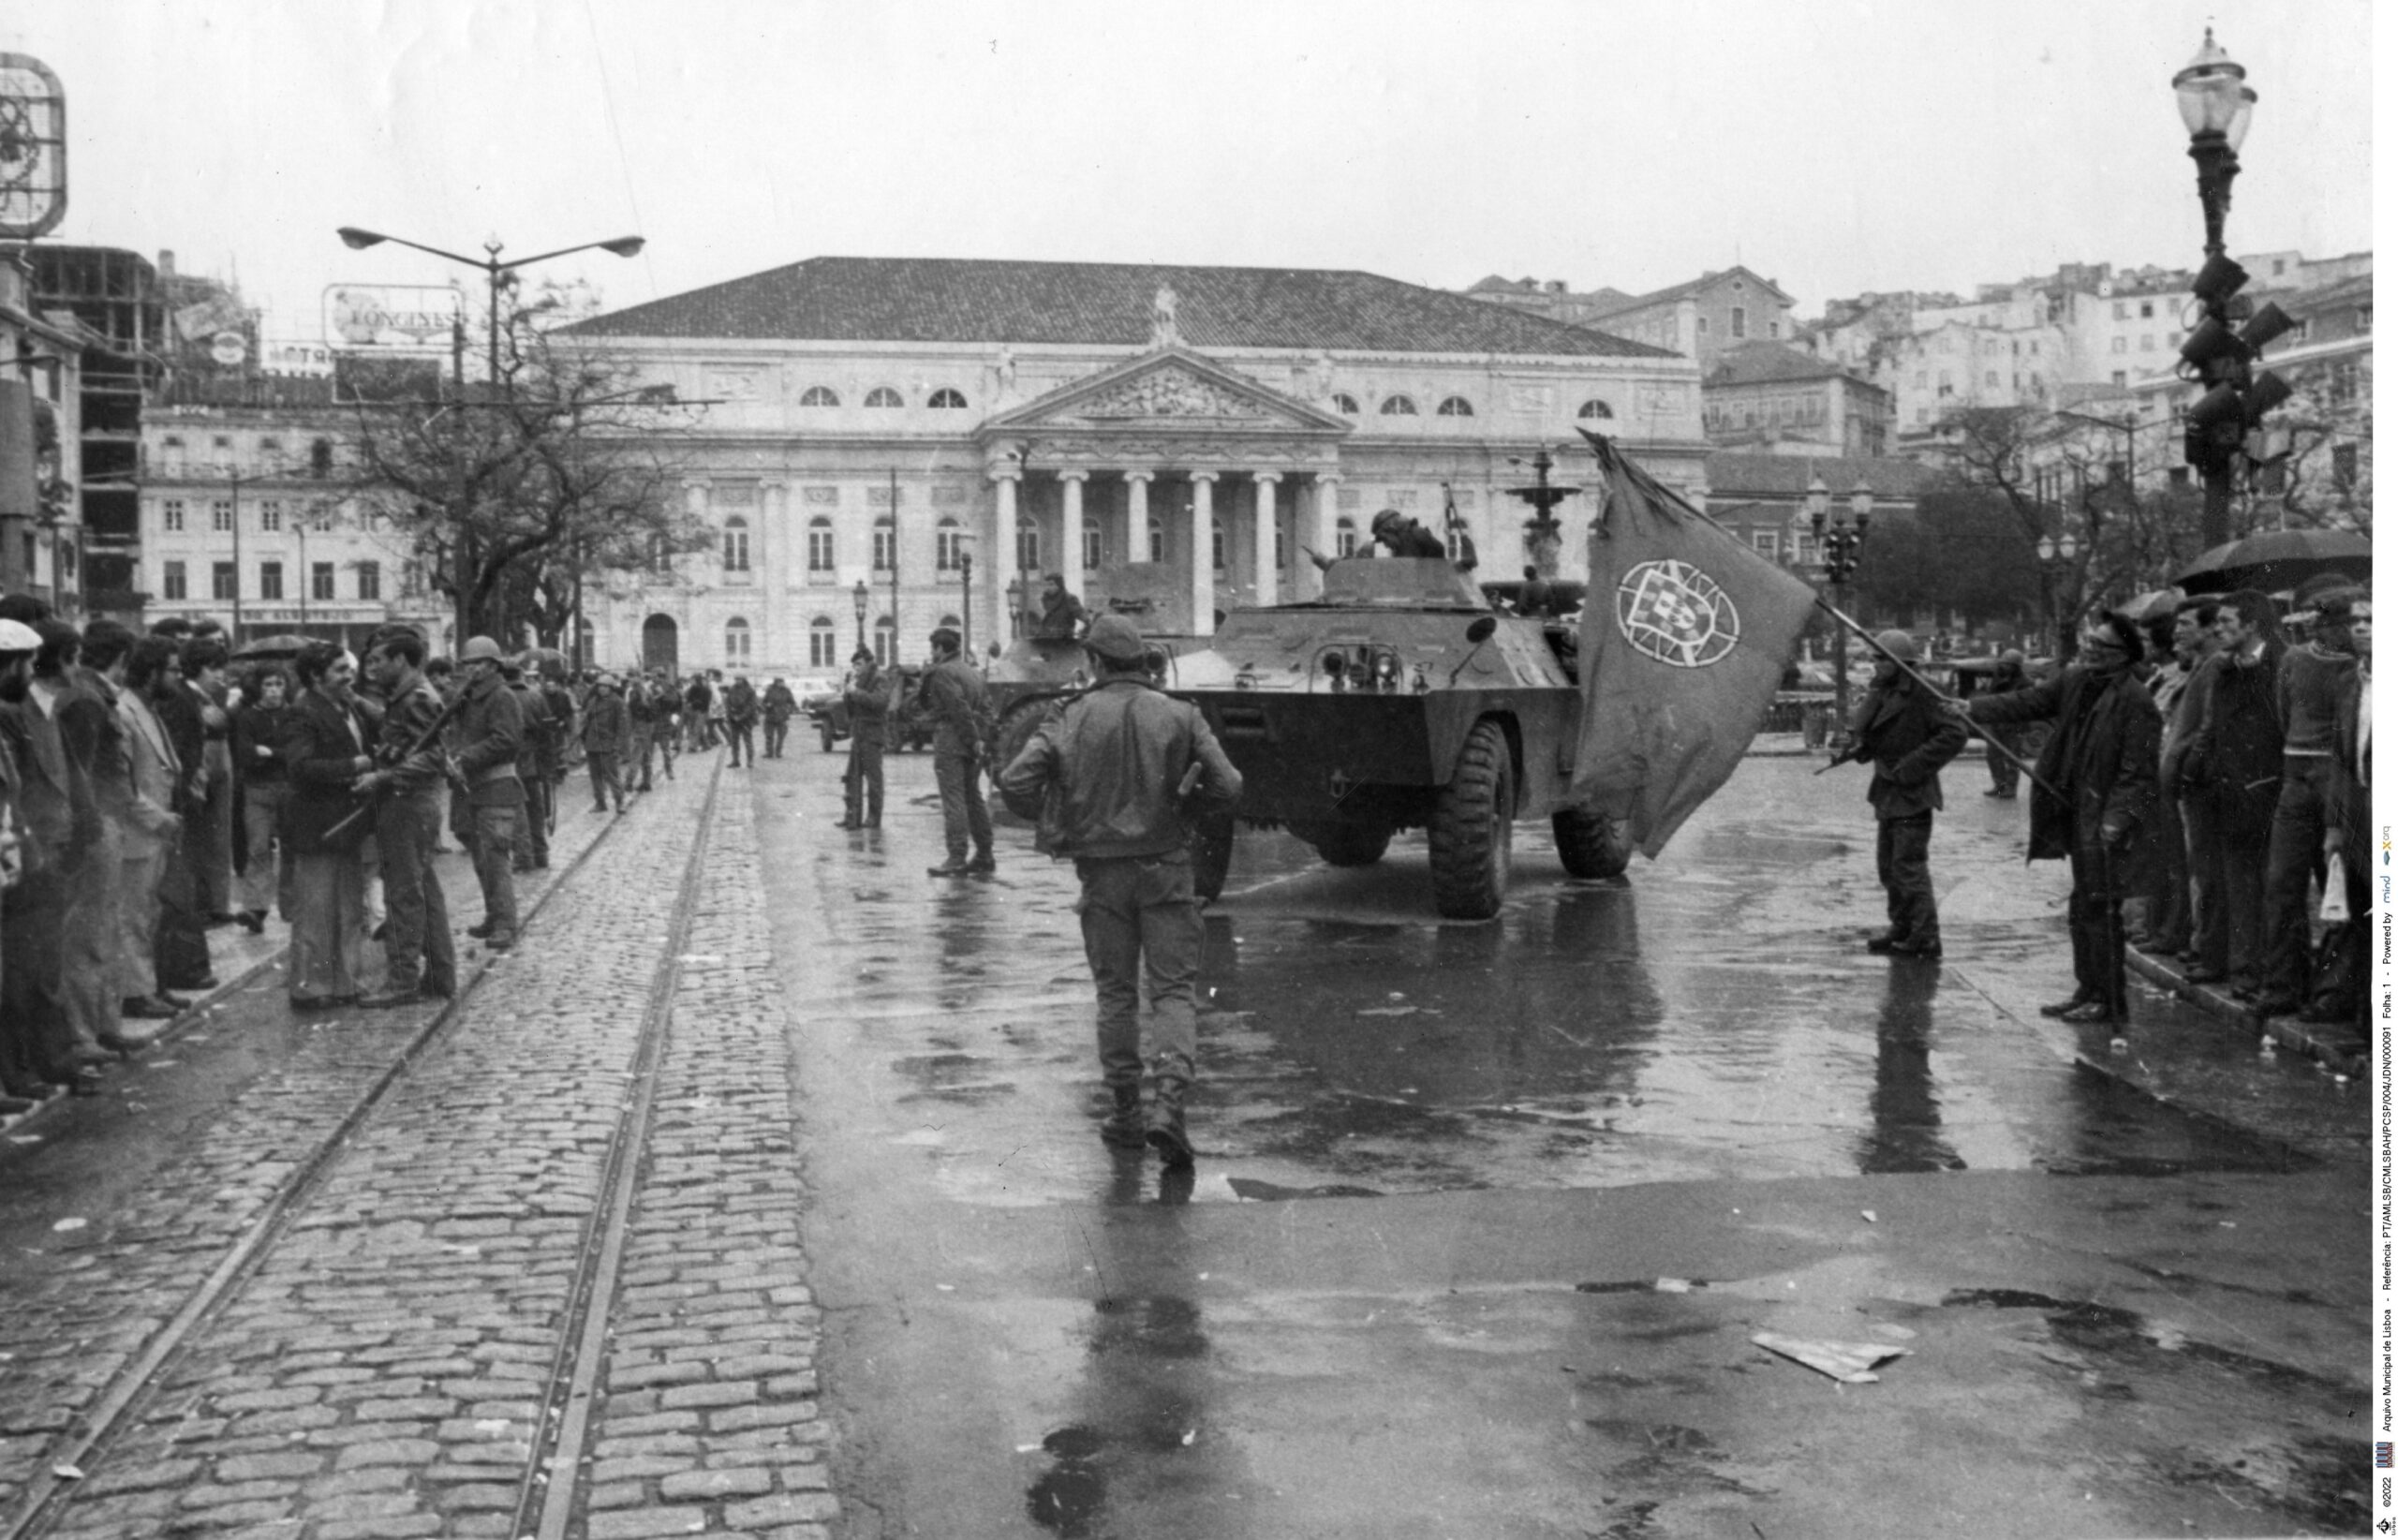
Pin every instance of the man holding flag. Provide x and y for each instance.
(1684, 638)
(1902, 730)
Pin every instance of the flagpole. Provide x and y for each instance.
(1935, 691)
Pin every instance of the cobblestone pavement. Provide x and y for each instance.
(446, 1310)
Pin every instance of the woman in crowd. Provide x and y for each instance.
(257, 724)
(323, 746)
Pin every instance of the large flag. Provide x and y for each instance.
(1684, 637)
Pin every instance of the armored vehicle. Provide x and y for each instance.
(1400, 699)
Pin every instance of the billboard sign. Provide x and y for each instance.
(398, 318)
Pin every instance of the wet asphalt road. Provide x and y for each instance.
(2122, 1317)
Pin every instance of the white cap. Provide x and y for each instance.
(16, 636)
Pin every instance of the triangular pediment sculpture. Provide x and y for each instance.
(1172, 389)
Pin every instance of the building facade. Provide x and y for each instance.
(1703, 317)
(40, 427)
(894, 444)
(1776, 399)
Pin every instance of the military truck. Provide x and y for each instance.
(1399, 699)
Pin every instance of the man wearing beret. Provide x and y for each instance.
(2093, 789)
(1107, 781)
(1901, 732)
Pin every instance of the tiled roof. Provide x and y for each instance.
(1731, 476)
(1768, 363)
(1675, 291)
(2307, 302)
(909, 298)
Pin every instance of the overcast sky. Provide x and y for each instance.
(1832, 145)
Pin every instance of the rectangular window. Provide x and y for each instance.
(1094, 549)
(882, 635)
(2343, 391)
(1740, 320)
(1767, 543)
(2119, 345)
(220, 515)
(370, 579)
(320, 580)
(947, 547)
(824, 645)
(2119, 378)
(171, 515)
(736, 547)
(886, 547)
(2123, 311)
(2148, 309)
(270, 516)
(1702, 326)
(820, 548)
(1344, 540)
(1774, 329)
(224, 581)
(270, 580)
(176, 583)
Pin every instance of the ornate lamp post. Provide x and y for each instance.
(966, 592)
(1541, 530)
(1842, 544)
(858, 601)
(2056, 557)
(2217, 105)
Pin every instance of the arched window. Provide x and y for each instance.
(886, 640)
(736, 642)
(1456, 405)
(1344, 535)
(883, 395)
(886, 544)
(737, 544)
(1028, 546)
(1343, 403)
(946, 400)
(819, 395)
(1157, 539)
(820, 545)
(1592, 412)
(1398, 406)
(948, 545)
(823, 644)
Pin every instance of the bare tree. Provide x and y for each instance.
(504, 494)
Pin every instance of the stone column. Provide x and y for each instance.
(1203, 552)
(1268, 569)
(997, 559)
(1136, 513)
(1069, 530)
(769, 554)
(1321, 509)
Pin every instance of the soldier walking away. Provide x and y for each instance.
(2092, 790)
(780, 706)
(420, 959)
(1107, 782)
(741, 721)
(605, 729)
(869, 696)
(953, 696)
(491, 732)
(1902, 730)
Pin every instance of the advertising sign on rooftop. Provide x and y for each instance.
(399, 317)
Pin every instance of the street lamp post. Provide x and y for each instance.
(492, 268)
(859, 599)
(1843, 542)
(966, 593)
(895, 566)
(2056, 556)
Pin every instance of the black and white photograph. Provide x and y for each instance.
(1543, 770)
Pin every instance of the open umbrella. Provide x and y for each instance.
(2153, 605)
(260, 648)
(2279, 558)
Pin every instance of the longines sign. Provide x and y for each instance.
(409, 318)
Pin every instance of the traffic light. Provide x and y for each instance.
(2218, 357)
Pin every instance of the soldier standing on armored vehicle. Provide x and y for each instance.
(1106, 780)
(1060, 617)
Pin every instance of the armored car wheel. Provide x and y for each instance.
(1345, 844)
(1591, 844)
(1022, 721)
(1471, 832)
(1211, 855)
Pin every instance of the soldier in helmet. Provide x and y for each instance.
(490, 736)
(1404, 536)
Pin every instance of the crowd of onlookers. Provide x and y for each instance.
(2262, 797)
(155, 787)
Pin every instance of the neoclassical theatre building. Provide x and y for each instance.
(920, 439)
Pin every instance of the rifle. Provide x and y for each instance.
(424, 740)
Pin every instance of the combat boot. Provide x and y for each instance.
(1122, 1128)
(1166, 1136)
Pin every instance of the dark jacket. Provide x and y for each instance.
(413, 708)
(2236, 751)
(490, 734)
(740, 703)
(1908, 737)
(1063, 621)
(95, 736)
(605, 723)
(320, 756)
(258, 726)
(2351, 795)
(178, 712)
(1102, 777)
(779, 702)
(53, 802)
(952, 695)
(869, 702)
(2096, 778)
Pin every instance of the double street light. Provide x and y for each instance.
(2057, 554)
(492, 268)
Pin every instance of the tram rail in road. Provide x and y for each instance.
(574, 1372)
